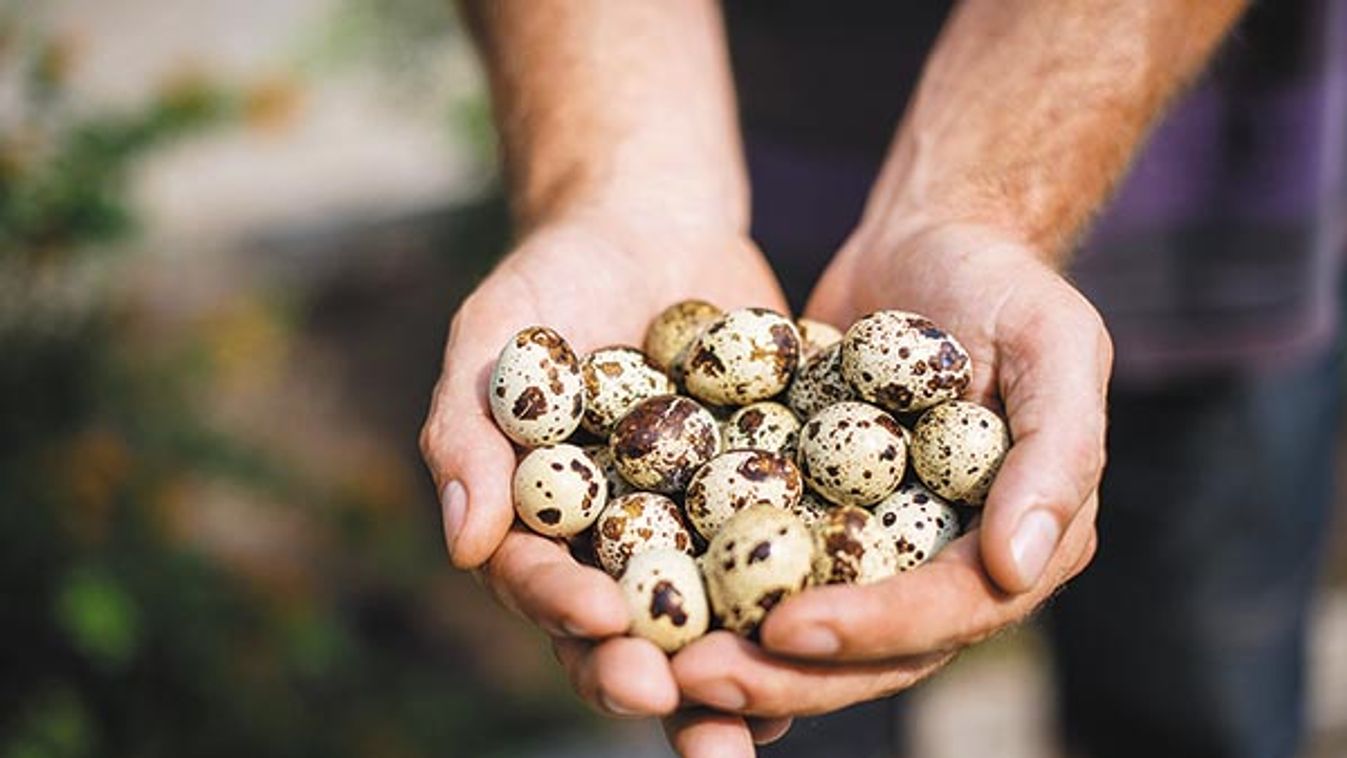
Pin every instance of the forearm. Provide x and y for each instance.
(614, 105)
(1029, 112)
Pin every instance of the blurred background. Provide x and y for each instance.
(231, 235)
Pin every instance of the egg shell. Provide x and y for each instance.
(762, 555)
(635, 523)
(536, 393)
(744, 356)
(734, 480)
(903, 362)
(815, 337)
(811, 508)
(617, 378)
(603, 458)
(850, 547)
(666, 598)
(675, 328)
(558, 490)
(661, 443)
(919, 522)
(762, 426)
(957, 449)
(819, 384)
(852, 454)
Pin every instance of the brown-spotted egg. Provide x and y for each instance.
(957, 449)
(558, 490)
(763, 425)
(635, 523)
(661, 442)
(675, 328)
(850, 547)
(617, 378)
(819, 384)
(918, 521)
(903, 362)
(665, 596)
(852, 453)
(734, 480)
(762, 555)
(536, 393)
(746, 355)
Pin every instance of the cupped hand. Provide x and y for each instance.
(1041, 354)
(597, 281)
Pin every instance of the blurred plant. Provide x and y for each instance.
(118, 635)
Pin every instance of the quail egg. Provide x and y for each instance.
(815, 337)
(537, 395)
(735, 480)
(744, 356)
(661, 442)
(558, 490)
(762, 555)
(918, 522)
(762, 426)
(903, 362)
(850, 547)
(957, 448)
(616, 378)
(852, 453)
(819, 384)
(675, 328)
(635, 523)
(666, 598)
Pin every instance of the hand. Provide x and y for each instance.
(597, 282)
(1040, 350)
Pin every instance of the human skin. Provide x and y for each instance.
(625, 172)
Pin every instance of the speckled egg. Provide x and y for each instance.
(850, 547)
(661, 443)
(762, 555)
(603, 458)
(558, 490)
(666, 598)
(811, 508)
(819, 384)
(617, 378)
(761, 426)
(852, 453)
(746, 355)
(732, 481)
(675, 328)
(957, 448)
(536, 394)
(815, 337)
(635, 523)
(903, 362)
(918, 522)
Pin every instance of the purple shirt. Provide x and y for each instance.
(1220, 251)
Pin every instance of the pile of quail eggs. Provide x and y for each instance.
(741, 457)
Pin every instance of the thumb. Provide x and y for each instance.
(470, 460)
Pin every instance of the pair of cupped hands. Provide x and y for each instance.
(1040, 353)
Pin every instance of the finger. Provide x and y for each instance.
(700, 733)
(945, 604)
(622, 676)
(729, 673)
(538, 578)
(767, 731)
(1053, 379)
(470, 460)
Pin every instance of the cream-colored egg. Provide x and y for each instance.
(665, 597)
(746, 355)
(850, 547)
(852, 453)
(635, 523)
(734, 480)
(675, 328)
(616, 379)
(919, 522)
(558, 490)
(819, 384)
(903, 362)
(815, 337)
(536, 394)
(763, 425)
(762, 555)
(957, 450)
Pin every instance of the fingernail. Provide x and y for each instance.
(723, 695)
(811, 640)
(613, 708)
(1034, 542)
(454, 506)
